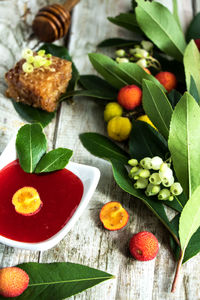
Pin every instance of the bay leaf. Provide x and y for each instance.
(189, 220)
(32, 114)
(192, 65)
(31, 145)
(157, 107)
(193, 28)
(184, 143)
(193, 90)
(126, 20)
(174, 96)
(175, 12)
(54, 160)
(118, 42)
(99, 94)
(103, 147)
(57, 281)
(160, 26)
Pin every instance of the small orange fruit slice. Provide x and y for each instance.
(27, 201)
(113, 216)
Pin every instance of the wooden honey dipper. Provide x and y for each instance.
(52, 22)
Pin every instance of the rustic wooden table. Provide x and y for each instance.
(88, 243)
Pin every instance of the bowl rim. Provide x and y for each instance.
(93, 175)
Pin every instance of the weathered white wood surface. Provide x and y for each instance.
(88, 243)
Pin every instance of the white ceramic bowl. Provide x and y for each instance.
(89, 177)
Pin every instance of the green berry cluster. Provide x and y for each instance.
(156, 177)
(141, 54)
(35, 61)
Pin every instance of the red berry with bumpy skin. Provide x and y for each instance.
(130, 97)
(167, 79)
(13, 281)
(144, 246)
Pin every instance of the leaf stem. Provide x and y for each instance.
(178, 268)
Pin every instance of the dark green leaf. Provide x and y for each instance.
(189, 220)
(59, 280)
(174, 96)
(31, 145)
(54, 160)
(193, 90)
(145, 141)
(157, 107)
(192, 65)
(193, 29)
(126, 20)
(33, 115)
(117, 42)
(121, 177)
(101, 146)
(184, 143)
(62, 52)
(93, 82)
(87, 93)
(159, 25)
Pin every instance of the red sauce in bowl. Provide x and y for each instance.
(60, 192)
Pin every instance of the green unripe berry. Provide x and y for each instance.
(136, 177)
(147, 45)
(168, 182)
(156, 162)
(41, 52)
(26, 53)
(155, 178)
(141, 183)
(144, 173)
(142, 63)
(146, 163)
(166, 175)
(176, 189)
(171, 198)
(120, 53)
(164, 194)
(122, 60)
(134, 172)
(132, 51)
(133, 162)
(152, 190)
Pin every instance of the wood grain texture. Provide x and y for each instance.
(88, 243)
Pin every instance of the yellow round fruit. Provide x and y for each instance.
(119, 128)
(146, 119)
(112, 109)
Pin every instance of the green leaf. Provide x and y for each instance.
(62, 52)
(192, 65)
(145, 141)
(117, 42)
(101, 146)
(193, 90)
(87, 93)
(105, 66)
(184, 143)
(54, 160)
(126, 20)
(59, 280)
(93, 82)
(189, 219)
(33, 115)
(157, 107)
(193, 247)
(160, 26)
(119, 75)
(31, 146)
(175, 12)
(193, 29)
(174, 96)
(122, 179)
